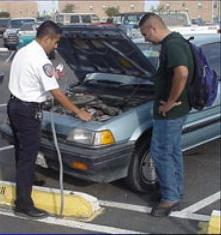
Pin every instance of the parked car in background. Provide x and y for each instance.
(129, 21)
(3, 24)
(198, 21)
(10, 36)
(26, 34)
(75, 18)
(116, 86)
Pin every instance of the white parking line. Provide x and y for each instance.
(76, 224)
(3, 49)
(145, 209)
(125, 206)
(10, 56)
(203, 203)
(3, 105)
(191, 216)
(7, 147)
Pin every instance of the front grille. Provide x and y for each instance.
(12, 38)
(48, 135)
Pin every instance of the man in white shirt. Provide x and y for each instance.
(32, 79)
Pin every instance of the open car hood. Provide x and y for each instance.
(102, 49)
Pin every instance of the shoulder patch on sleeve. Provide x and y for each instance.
(49, 70)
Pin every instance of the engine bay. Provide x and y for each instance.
(102, 104)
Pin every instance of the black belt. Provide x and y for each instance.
(38, 105)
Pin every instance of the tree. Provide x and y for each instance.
(68, 8)
(112, 11)
(4, 14)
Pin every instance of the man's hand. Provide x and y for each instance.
(59, 71)
(167, 106)
(84, 116)
(68, 104)
(58, 74)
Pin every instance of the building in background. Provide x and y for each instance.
(48, 7)
(18, 8)
(98, 7)
(207, 10)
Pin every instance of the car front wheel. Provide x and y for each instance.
(142, 175)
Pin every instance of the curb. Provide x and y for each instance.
(76, 204)
(3, 49)
(214, 223)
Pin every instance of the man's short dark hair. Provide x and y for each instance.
(48, 28)
(149, 15)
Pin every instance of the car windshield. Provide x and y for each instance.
(4, 21)
(20, 22)
(27, 27)
(16, 23)
(127, 19)
(171, 19)
(151, 52)
(175, 19)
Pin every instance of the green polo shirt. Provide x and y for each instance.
(174, 52)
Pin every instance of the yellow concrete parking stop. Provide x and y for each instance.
(76, 204)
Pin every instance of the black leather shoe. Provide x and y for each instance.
(159, 211)
(32, 212)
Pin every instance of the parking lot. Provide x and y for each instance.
(124, 211)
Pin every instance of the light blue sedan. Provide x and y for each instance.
(115, 85)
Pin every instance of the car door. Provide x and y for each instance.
(204, 126)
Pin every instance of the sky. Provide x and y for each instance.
(52, 6)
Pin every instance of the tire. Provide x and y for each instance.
(142, 175)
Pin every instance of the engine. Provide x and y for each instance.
(102, 107)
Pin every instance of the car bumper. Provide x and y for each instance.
(11, 42)
(105, 164)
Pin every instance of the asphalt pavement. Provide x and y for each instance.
(125, 211)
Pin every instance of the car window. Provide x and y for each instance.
(28, 21)
(151, 52)
(27, 27)
(86, 18)
(3, 22)
(95, 18)
(212, 52)
(75, 19)
(132, 19)
(16, 23)
(117, 19)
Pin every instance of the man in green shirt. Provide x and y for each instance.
(171, 107)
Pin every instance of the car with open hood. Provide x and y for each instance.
(116, 86)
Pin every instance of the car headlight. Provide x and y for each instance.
(104, 137)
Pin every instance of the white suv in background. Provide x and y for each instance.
(10, 35)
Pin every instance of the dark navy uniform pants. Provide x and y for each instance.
(26, 130)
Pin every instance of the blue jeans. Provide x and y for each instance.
(166, 153)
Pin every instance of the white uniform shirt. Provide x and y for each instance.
(32, 74)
